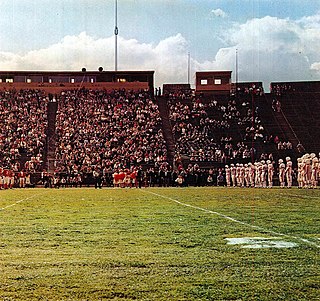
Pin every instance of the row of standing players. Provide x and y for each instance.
(261, 174)
(308, 171)
(8, 177)
(258, 174)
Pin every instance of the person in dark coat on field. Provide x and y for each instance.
(97, 176)
(140, 176)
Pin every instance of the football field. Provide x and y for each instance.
(160, 244)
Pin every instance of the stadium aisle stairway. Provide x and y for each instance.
(49, 156)
(166, 127)
(278, 123)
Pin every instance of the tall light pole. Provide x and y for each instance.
(189, 67)
(237, 72)
(116, 31)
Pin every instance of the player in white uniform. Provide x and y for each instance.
(241, 175)
(238, 170)
(247, 175)
(264, 171)
(300, 172)
(288, 172)
(307, 170)
(233, 170)
(270, 173)
(282, 169)
(258, 174)
(228, 175)
(314, 172)
(252, 174)
(303, 173)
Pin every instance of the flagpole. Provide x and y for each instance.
(116, 31)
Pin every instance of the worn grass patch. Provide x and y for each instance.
(157, 244)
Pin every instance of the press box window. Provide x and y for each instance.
(204, 82)
(217, 81)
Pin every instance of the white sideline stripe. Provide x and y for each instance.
(237, 221)
(20, 201)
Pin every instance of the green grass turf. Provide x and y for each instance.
(140, 244)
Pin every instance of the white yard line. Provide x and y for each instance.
(20, 201)
(237, 221)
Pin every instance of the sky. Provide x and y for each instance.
(275, 40)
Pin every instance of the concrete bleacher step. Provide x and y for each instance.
(166, 127)
(49, 152)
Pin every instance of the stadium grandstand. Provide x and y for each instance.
(114, 128)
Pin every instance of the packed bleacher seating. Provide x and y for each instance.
(99, 134)
(111, 130)
(177, 90)
(23, 120)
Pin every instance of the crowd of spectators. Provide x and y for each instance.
(244, 89)
(206, 129)
(23, 121)
(284, 145)
(191, 175)
(280, 89)
(179, 94)
(107, 131)
(99, 132)
(276, 105)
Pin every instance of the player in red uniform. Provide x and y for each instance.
(22, 179)
(127, 178)
(1, 178)
(11, 179)
(6, 178)
(122, 175)
(115, 179)
(133, 177)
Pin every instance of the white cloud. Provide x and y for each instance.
(315, 66)
(269, 49)
(219, 13)
(168, 58)
(311, 21)
(274, 49)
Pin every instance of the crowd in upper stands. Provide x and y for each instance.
(280, 89)
(23, 121)
(244, 89)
